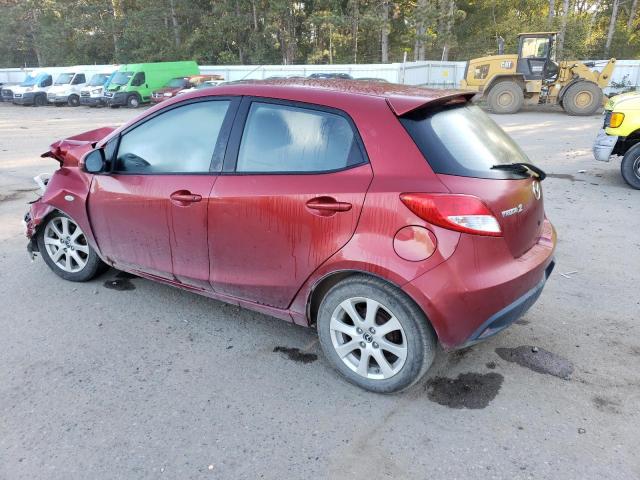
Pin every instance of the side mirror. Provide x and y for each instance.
(95, 161)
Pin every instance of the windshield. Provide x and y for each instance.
(98, 79)
(177, 82)
(30, 81)
(64, 78)
(121, 78)
(463, 141)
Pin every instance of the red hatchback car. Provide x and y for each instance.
(389, 218)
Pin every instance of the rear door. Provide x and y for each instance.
(150, 213)
(463, 145)
(290, 197)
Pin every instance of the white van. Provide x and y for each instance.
(68, 85)
(33, 89)
(91, 94)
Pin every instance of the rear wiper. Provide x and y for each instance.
(522, 167)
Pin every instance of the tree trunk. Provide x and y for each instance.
(612, 27)
(174, 22)
(445, 25)
(117, 13)
(355, 13)
(384, 35)
(563, 28)
(255, 15)
(419, 50)
(632, 14)
(552, 7)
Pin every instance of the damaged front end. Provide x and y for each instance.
(67, 188)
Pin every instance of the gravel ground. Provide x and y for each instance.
(134, 379)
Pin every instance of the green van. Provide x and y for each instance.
(133, 83)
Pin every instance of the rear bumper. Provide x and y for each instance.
(603, 146)
(481, 289)
(512, 312)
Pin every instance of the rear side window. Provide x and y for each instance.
(181, 140)
(463, 141)
(283, 138)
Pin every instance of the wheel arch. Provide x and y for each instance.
(322, 286)
(515, 77)
(623, 145)
(564, 89)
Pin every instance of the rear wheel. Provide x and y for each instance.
(374, 335)
(630, 166)
(582, 98)
(505, 97)
(73, 100)
(64, 248)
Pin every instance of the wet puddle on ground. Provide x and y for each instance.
(296, 355)
(468, 390)
(121, 283)
(538, 359)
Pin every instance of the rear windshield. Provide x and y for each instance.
(463, 141)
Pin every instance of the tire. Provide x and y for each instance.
(630, 166)
(59, 233)
(73, 100)
(505, 97)
(40, 101)
(133, 101)
(582, 98)
(410, 337)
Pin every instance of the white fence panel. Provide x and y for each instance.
(429, 73)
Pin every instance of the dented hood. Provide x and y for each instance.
(69, 150)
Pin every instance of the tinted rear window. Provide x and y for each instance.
(463, 141)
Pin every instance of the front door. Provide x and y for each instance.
(290, 199)
(150, 213)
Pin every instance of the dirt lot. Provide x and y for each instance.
(134, 379)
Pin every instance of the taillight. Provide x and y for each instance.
(463, 213)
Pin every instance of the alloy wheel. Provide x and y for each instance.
(66, 244)
(368, 338)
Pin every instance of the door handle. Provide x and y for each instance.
(183, 197)
(328, 205)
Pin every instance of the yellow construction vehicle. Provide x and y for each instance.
(533, 77)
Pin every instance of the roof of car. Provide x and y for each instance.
(401, 98)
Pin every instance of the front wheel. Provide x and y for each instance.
(374, 335)
(630, 167)
(40, 100)
(73, 100)
(64, 248)
(133, 101)
(582, 98)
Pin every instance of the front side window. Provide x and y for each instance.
(282, 138)
(79, 79)
(180, 140)
(138, 79)
(535, 47)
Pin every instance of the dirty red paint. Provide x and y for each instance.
(260, 241)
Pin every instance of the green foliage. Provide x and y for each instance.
(64, 32)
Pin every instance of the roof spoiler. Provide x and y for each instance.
(401, 105)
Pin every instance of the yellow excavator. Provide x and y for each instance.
(533, 77)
